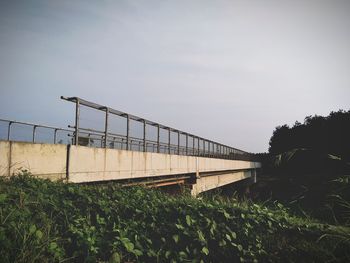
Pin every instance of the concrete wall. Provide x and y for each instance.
(92, 164)
(87, 164)
(5, 158)
(43, 160)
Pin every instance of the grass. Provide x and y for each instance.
(44, 221)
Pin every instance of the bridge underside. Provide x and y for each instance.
(79, 164)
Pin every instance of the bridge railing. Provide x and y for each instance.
(108, 132)
(12, 130)
(100, 126)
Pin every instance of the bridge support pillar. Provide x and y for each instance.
(209, 182)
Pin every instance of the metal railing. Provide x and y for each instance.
(11, 126)
(106, 138)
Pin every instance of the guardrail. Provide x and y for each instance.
(10, 125)
(193, 145)
(176, 142)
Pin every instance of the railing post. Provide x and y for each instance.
(9, 131)
(106, 127)
(193, 145)
(127, 131)
(204, 147)
(198, 146)
(169, 141)
(144, 136)
(55, 136)
(178, 142)
(186, 144)
(77, 114)
(34, 129)
(158, 138)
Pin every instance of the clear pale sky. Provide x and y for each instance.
(229, 71)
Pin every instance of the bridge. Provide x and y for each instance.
(105, 144)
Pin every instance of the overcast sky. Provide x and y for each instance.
(230, 71)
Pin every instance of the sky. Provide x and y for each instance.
(229, 71)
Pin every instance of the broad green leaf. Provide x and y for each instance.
(205, 250)
(227, 215)
(188, 220)
(32, 229)
(38, 234)
(52, 246)
(137, 252)
(178, 226)
(234, 235)
(128, 244)
(176, 238)
(115, 258)
(200, 235)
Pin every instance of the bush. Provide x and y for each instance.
(44, 221)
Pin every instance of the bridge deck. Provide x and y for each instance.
(85, 164)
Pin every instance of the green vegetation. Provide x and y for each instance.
(43, 221)
(304, 164)
(329, 135)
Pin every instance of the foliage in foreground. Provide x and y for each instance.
(43, 221)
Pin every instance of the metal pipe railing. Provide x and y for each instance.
(106, 138)
(200, 146)
(35, 127)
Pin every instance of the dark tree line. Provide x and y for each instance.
(308, 166)
(330, 134)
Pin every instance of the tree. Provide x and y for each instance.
(329, 134)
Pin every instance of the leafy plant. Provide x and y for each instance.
(44, 221)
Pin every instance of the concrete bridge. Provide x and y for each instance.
(95, 154)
